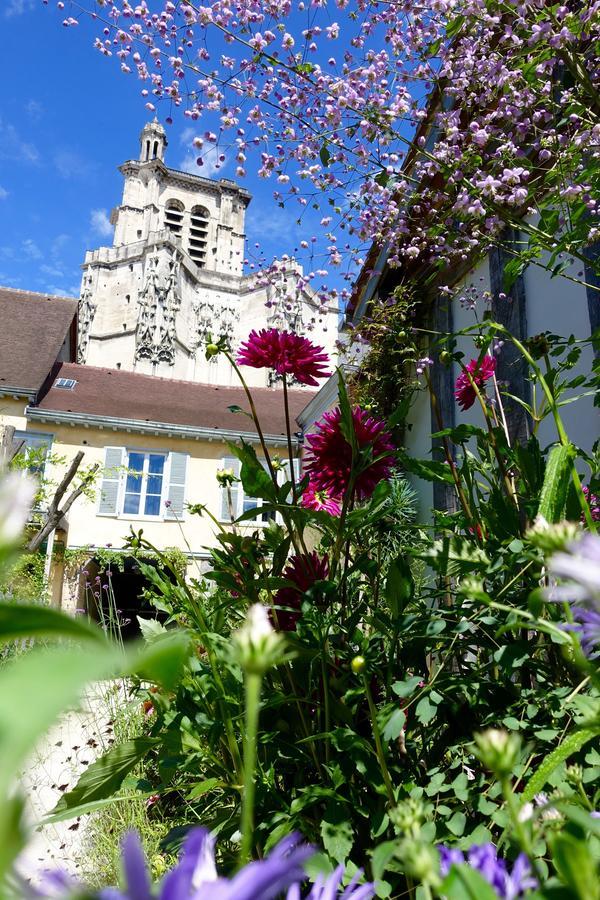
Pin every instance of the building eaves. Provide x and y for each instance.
(136, 426)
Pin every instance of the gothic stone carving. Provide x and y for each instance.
(158, 304)
(85, 316)
(215, 319)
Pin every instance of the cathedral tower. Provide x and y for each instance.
(174, 275)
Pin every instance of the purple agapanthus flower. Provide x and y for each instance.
(507, 884)
(579, 567)
(195, 876)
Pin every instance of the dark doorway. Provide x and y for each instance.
(116, 596)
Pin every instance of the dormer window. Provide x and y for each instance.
(199, 219)
(65, 384)
(174, 217)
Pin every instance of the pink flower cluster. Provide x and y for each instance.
(480, 372)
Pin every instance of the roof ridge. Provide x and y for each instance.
(178, 381)
(44, 294)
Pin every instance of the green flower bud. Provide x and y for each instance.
(574, 775)
(551, 538)
(498, 750)
(259, 647)
(212, 350)
(358, 664)
(226, 476)
(445, 358)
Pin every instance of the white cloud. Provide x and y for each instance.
(12, 145)
(17, 8)
(31, 249)
(52, 271)
(34, 109)
(211, 165)
(100, 222)
(71, 164)
(3, 193)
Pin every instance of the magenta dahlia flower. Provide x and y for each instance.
(480, 372)
(303, 571)
(313, 498)
(329, 455)
(286, 353)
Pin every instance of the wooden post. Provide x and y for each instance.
(443, 408)
(511, 311)
(592, 278)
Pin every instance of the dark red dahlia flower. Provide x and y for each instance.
(480, 373)
(303, 571)
(329, 455)
(286, 353)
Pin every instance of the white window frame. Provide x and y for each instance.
(24, 435)
(282, 477)
(121, 514)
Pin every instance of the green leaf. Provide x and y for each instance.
(17, 621)
(205, 787)
(324, 154)
(456, 823)
(381, 856)
(336, 832)
(256, 481)
(464, 883)
(570, 745)
(35, 689)
(408, 687)
(399, 586)
(104, 777)
(555, 488)
(346, 421)
(162, 661)
(576, 866)
(394, 725)
(425, 711)
(430, 470)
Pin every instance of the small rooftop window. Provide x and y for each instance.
(65, 384)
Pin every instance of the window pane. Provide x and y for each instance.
(154, 484)
(152, 507)
(131, 506)
(133, 484)
(136, 462)
(250, 503)
(156, 464)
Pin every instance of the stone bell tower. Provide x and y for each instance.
(174, 276)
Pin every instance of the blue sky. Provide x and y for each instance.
(68, 118)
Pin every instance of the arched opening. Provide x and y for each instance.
(115, 596)
(174, 216)
(147, 150)
(155, 150)
(199, 218)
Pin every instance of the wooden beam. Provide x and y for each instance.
(443, 406)
(511, 311)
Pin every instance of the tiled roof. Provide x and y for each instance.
(117, 394)
(33, 329)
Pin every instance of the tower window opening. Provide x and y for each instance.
(155, 150)
(174, 216)
(199, 219)
(147, 150)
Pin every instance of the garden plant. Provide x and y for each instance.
(351, 702)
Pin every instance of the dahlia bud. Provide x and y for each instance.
(498, 750)
(445, 358)
(226, 477)
(358, 664)
(259, 647)
(212, 350)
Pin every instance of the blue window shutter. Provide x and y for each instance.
(114, 460)
(230, 462)
(176, 492)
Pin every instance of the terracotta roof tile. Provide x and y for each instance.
(115, 393)
(33, 329)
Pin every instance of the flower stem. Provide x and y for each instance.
(288, 431)
(378, 745)
(253, 685)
